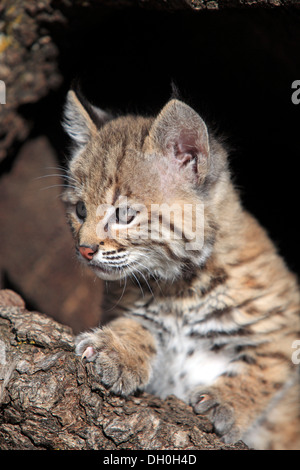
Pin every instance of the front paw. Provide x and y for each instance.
(120, 369)
(209, 402)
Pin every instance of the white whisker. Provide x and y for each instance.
(56, 175)
(144, 277)
(139, 284)
(57, 186)
(121, 269)
(151, 273)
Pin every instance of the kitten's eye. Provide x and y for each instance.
(124, 215)
(81, 210)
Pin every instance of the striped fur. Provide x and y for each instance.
(213, 325)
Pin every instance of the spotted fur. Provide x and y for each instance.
(213, 325)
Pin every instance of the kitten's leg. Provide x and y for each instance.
(234, 404)
(122, 352)
(220, 410)
(279, 428)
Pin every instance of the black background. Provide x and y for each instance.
(235, 67)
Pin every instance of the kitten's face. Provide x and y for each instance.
(133, 201)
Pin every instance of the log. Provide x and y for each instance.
(50, 399)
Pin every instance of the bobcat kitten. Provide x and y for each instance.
(204, 308)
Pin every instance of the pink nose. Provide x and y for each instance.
(87, 251)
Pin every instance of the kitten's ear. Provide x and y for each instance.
(179, 132)
(81, 119)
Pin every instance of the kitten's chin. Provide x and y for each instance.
(107, 274)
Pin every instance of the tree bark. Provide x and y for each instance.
(50, 399)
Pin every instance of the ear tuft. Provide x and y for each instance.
(77, 122)
(81, 119)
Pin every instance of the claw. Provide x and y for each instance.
(88, 353)
(203, 398)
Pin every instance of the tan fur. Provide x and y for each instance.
(233, 302)
(126, 346)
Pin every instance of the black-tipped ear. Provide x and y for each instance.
(179, 132)
(81, 119)
(98, 116)
(175, 95)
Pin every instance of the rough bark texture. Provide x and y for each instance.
(51, 400)
(27, 64)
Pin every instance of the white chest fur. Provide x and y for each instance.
(184, 361)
